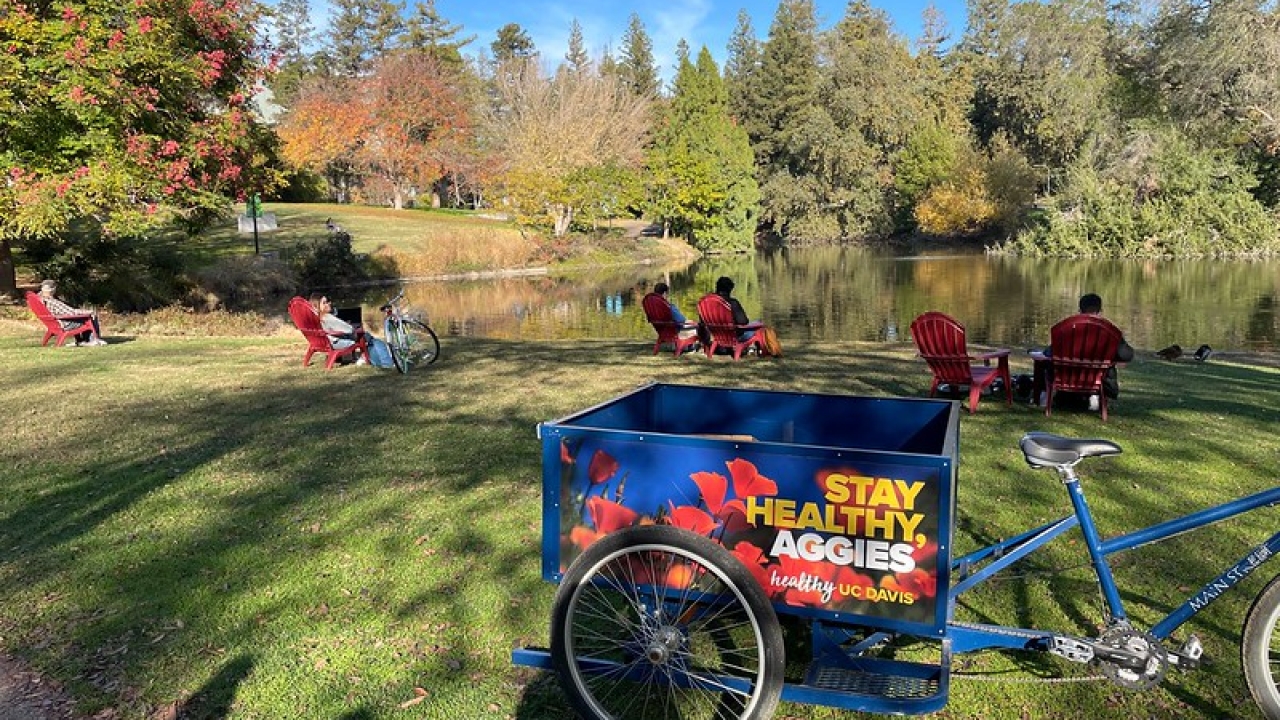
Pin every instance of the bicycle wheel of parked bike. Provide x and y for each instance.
(424, 344)
(398, 343)
(1260, 649)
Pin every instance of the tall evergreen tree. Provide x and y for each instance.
(576, 56)
(636, 66)
(787, 90)
(701, 166)
(350, 46)
(740, 68)
(294, 36)
(388, 27)
(427, 31)
(512, 43)
(1047, 83)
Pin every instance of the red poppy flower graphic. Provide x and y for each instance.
(565, 457)
(754, 559)
(919, 582)
(608, 515)
(602, 467)
(713, 487)
(733, 516)
(691, 518)
(583, 536)
(747, 480)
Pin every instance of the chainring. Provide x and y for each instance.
(1142, 644)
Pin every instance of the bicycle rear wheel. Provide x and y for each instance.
(1260, 650)
(398, 342)
(424, 344)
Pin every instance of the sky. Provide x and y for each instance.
(699, 22)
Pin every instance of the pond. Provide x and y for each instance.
(842, 293)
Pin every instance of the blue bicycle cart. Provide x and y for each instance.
(686, 526)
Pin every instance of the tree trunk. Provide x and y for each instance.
(563, 218)
(398, 201)
(8, 273)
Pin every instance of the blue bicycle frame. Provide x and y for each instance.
(967, 637)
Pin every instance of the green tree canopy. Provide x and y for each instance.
(701, 167)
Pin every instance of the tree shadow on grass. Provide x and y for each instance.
(214, 699)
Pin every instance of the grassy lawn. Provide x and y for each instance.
(198, 527)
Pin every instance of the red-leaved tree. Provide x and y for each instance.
(400, 125)
(117, 116)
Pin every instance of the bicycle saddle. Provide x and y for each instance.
(1047, 450)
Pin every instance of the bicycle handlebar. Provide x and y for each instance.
(387, 306)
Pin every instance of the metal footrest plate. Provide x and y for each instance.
(865, 683)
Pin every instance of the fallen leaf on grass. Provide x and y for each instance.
(419, 696)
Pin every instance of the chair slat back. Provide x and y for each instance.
(36, 303)
(717, 315)
(940, 339)
(658, 312)
(308, 322)
(1083, 347)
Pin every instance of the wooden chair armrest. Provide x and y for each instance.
(1002, 355)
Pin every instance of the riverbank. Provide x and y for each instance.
(201, 525)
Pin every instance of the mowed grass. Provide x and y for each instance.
(199, 527)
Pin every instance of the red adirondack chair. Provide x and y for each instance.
(941, 342)
(52, 325)
(658, 311)
(1082, 350)
(318, 339)
(717, 318)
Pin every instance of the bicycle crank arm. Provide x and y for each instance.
(1081, 650)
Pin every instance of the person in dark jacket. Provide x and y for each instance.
(1090, 304)
(724, 288)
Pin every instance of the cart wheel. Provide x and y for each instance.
(657, 622)
(1260, 649)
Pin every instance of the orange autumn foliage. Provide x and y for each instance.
(401, 124)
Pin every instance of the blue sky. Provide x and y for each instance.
(699, 22)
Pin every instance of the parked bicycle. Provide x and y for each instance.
(411, 339)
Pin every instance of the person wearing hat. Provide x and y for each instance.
(60, 310)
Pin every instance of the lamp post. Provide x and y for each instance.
(254, 207)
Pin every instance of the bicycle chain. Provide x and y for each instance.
(986, 677)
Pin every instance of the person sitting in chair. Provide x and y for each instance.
(331, 323)
(687, 329)
(60, 310)
(724, 288)
(1090, 304)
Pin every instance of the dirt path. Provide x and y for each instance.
(26, 695)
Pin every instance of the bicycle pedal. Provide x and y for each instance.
(1188, 656)
(1071, 648)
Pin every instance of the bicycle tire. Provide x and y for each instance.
(425, 349)
(398, 342)
(626, 650)
(1260, 650)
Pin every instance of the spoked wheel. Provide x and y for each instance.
(423, 343)
(656, 622)
(1260, 650)
(398, 341)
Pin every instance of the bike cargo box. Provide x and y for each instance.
(841, 507)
